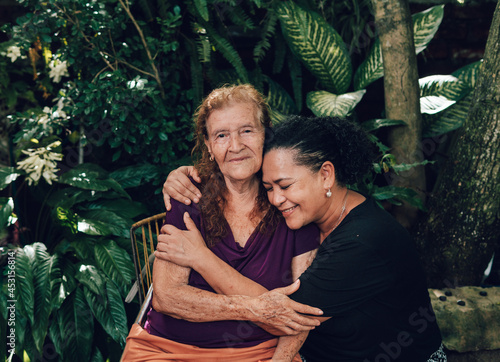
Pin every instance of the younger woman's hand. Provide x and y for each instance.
(178, 186)
(181, 247)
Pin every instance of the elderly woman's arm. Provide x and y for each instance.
(172, 296)
(187, 248)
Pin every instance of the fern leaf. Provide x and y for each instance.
(227, 50)
(268, 30)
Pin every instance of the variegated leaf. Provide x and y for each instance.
(434, 104)
(317, 45)
(425, 25)
(371, 69)
(469, 74)
(278, 98)
(323, 103)
(446, 86)
(451, 119)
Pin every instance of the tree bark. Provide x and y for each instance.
(402, 96)
(463, 226)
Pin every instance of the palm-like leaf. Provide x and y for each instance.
(115, 263)
(268, 29)
(323, 103)
(72, 326)
(109, 311)
(44, 268)
(317, 45)
(425, 25)
(227, 50)
(124, 208)
(25, 289)
(201, 8)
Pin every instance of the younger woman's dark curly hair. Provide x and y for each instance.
(214, 188)
(321, 139)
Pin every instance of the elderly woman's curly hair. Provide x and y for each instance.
(214, 188)
(320, 139)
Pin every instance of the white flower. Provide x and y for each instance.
(58, 69)
(13, 52)
(41, 162)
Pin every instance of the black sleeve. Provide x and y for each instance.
(345, 273)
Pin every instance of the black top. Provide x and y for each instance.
(368, 278)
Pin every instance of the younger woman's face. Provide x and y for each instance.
(295, 190)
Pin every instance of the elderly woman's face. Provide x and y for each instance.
(235, 140)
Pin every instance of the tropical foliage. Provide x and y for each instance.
(99, 97)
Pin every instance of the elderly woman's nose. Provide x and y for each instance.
(236, 143)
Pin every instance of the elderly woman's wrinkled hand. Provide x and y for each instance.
(279, 315)
(182, 247)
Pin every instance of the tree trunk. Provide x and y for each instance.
(402, 96)
(463, 226)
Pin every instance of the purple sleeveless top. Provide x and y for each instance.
(266, 259)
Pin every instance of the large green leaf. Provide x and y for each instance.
(6, 209)
(434, 104)
(103, 222)
(8, 175)
(109, 311)
(446, 86)
(25, 289)
(447, 121)
(425, 25)
(45, 267)
(323, 103)
(278, 98)
(115, 263)
(469, 74)
(63, 282)
(202, 9)
(124, 208)
(317, 45)
(371, 69)
(90, 179)
(228, 51)
(374, 124)
(393, 193)
(135, 175)
(91, 277)
(72, 329)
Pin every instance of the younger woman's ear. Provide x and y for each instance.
(327, 172)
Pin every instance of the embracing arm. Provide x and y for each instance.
(174, 297)
(187, 248)
(289, 346)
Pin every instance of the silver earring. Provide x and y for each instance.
(211, 158)
(328, 193)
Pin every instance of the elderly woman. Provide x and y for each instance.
(243, 234)
(366, 276)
